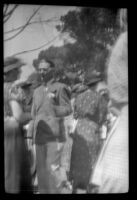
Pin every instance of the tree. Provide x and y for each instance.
(93, 29)
(56, 54)
(90, 25)
(8, 11)
(64, 66)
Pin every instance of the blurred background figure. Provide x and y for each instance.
(111, 173)
(17, 171)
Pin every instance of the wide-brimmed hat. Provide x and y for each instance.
(25, 84)
(92, 77)
(11, 63)
(78, 88)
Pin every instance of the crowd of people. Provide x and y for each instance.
(59, 139)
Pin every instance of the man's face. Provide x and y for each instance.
(43, 69)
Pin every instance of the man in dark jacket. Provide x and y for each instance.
(50, 105)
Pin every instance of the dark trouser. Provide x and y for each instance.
(17, 175)
(80, 167)
(48, 158)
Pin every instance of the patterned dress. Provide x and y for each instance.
(89, 108)
(17, 175)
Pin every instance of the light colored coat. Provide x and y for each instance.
(111, 170)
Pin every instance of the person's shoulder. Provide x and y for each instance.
(87, 94)
(59, 85)
(92, 92)
(38, 89)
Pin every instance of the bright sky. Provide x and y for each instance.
(34, 35)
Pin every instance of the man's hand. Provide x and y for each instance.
(51, 95)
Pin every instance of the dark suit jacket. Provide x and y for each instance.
(50, 106)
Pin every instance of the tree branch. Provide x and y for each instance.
(23, 26)
(8, 15)
(7, 18)
(34, 22)
(5, 8)
(28, 51)
(11, 10)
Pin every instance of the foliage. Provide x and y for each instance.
(90, 25)
(94, 29)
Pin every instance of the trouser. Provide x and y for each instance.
(48, 162)
(17, 174)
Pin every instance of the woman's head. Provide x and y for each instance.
(12, 69)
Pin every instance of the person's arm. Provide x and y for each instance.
(16, 96)
(16, 93)
(18, 113)
(64, 107)
(26, 117)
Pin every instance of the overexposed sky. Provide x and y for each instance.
(34, 35)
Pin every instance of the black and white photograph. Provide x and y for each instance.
(65, 99)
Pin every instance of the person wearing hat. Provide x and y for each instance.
(86, 141)
(50, 105)
(15, 153)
